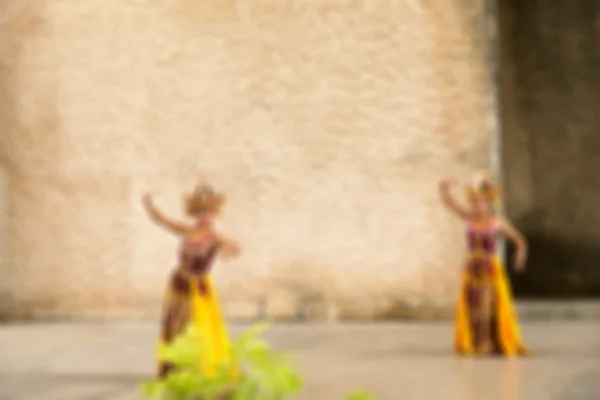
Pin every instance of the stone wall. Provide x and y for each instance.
(551, 143)
(326, 123)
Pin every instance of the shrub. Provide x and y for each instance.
(264, 374)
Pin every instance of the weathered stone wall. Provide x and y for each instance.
(551, 141)
(326, 123)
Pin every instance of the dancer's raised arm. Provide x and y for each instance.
(449, 200)
(178, 228)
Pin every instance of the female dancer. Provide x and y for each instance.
(486, 321)
(190, 294)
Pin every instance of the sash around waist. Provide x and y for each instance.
(182, 280)
(482, 255)
(481, 265)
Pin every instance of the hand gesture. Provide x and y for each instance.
(446, 184)
(520, 260)
(148, 200)
(229, 249)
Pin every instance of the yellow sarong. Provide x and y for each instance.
(210, 324)
(507, 325)
(200, 308)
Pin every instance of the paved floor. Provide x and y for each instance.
(395, 361)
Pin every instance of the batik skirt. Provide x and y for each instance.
(192, 300)
(486, 321)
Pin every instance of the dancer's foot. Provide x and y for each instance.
(485, 348)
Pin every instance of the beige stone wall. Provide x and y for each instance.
(326, 123)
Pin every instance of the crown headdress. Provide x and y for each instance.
(203, 199)
(483, 188)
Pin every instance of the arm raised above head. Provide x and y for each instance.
(162, 220)
(449, 201)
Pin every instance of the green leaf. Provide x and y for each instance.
(360, 395)
(246, 389)
(291, 381)
(152, 389)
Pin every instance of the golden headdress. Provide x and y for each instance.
(204, 199)
(483, 188)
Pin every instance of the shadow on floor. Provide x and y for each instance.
(72, 378)
(583, 387)
(537, 353)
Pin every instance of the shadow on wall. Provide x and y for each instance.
(550, 91)
(557, 268)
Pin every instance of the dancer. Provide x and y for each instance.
(190, 296)
(485, 321)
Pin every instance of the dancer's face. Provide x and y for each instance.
(481, 207)
(205, 218)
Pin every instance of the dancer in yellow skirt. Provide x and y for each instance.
(190, 293)
(486, 321)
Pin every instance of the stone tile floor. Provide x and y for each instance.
(397, 361)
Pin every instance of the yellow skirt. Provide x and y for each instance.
(201, 308)
(507, 332)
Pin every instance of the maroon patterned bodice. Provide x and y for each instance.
(481, 240)
(199, 264)
(197, 254)
(195, 261)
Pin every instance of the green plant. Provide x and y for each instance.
(360, 395)
(265, 374)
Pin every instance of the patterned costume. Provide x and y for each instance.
(190, 295)
(486, 321)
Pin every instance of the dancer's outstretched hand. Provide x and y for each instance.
(520, 260)
(147, 199)
(447, 183)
